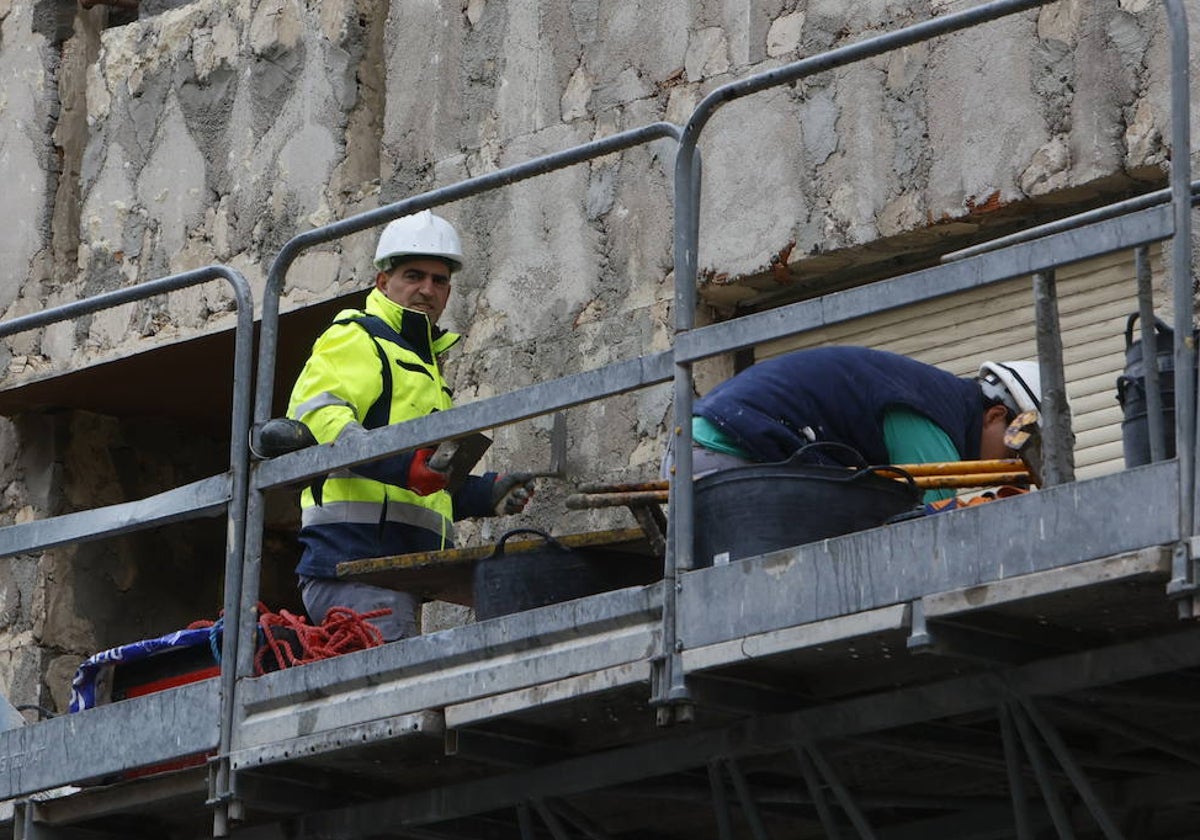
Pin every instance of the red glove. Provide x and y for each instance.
(423, 480)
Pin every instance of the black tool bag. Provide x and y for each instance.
(1131, 393)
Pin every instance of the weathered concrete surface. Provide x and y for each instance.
(59, 607)
(28, 63)
(216, 130)
(22, 580)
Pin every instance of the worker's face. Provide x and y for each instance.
(991, 445)
(421, 284)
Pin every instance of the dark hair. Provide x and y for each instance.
(989, 401)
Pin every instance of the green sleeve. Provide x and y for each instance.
(912, 438)
(709, 435)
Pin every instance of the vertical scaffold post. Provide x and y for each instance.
(1058, 441)
(1154, 409)
(1183, 576)
(671, 693)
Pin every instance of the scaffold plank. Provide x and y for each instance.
(541, 696)
(839, 629)
(1154, 561)
(95, 744)
(898, 563)
(502, 655)
(424, 725)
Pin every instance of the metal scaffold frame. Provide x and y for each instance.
(382, 692)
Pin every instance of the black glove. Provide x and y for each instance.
(511, 492)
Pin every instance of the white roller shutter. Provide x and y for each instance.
(996, 322)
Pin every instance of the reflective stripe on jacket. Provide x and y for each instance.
(344, 389)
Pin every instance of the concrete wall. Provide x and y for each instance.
(215, 130)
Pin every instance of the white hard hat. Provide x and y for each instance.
(1016, 384)
(419, 235)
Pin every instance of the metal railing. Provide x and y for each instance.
(1134, 224)
(1144, 220)
(530, 402)
(201, 498)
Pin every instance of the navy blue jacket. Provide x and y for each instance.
(841, 393)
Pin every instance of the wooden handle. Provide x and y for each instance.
(949, 482)
(1006, 465)
(935, 476)
(585, 501)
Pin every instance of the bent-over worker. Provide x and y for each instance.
(887, 407)
(372, 367)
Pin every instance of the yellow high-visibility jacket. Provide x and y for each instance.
(368, 369)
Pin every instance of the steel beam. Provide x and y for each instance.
(184, 788)
(1041, 772)
(767, 735)
(27, 827)
(942, 638)
(1016, 774)
(1074, 772)
(741, 787)
(577, 818)
(525, 821)
(557, 830)
(207, 497)
(1136, 734)
(987, 822)
(522, 404)
(720, 800)
(842, 793)
(501, 750)
(816, 792)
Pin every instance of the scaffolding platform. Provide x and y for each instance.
(899, 649)
(1015, 669)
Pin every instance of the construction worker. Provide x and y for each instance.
(368, 369)
(886, 407)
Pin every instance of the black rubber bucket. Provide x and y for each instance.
(1131, 393)
(509, 582)
(746, 511)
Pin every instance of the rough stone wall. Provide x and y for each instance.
(215, 130)
(29, 37)
(59, 607)
(26, 495)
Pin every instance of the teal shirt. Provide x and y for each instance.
(707, 434)
(912, 438)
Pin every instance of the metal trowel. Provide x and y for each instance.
(456, 458)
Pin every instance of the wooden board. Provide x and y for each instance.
(445, 575)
